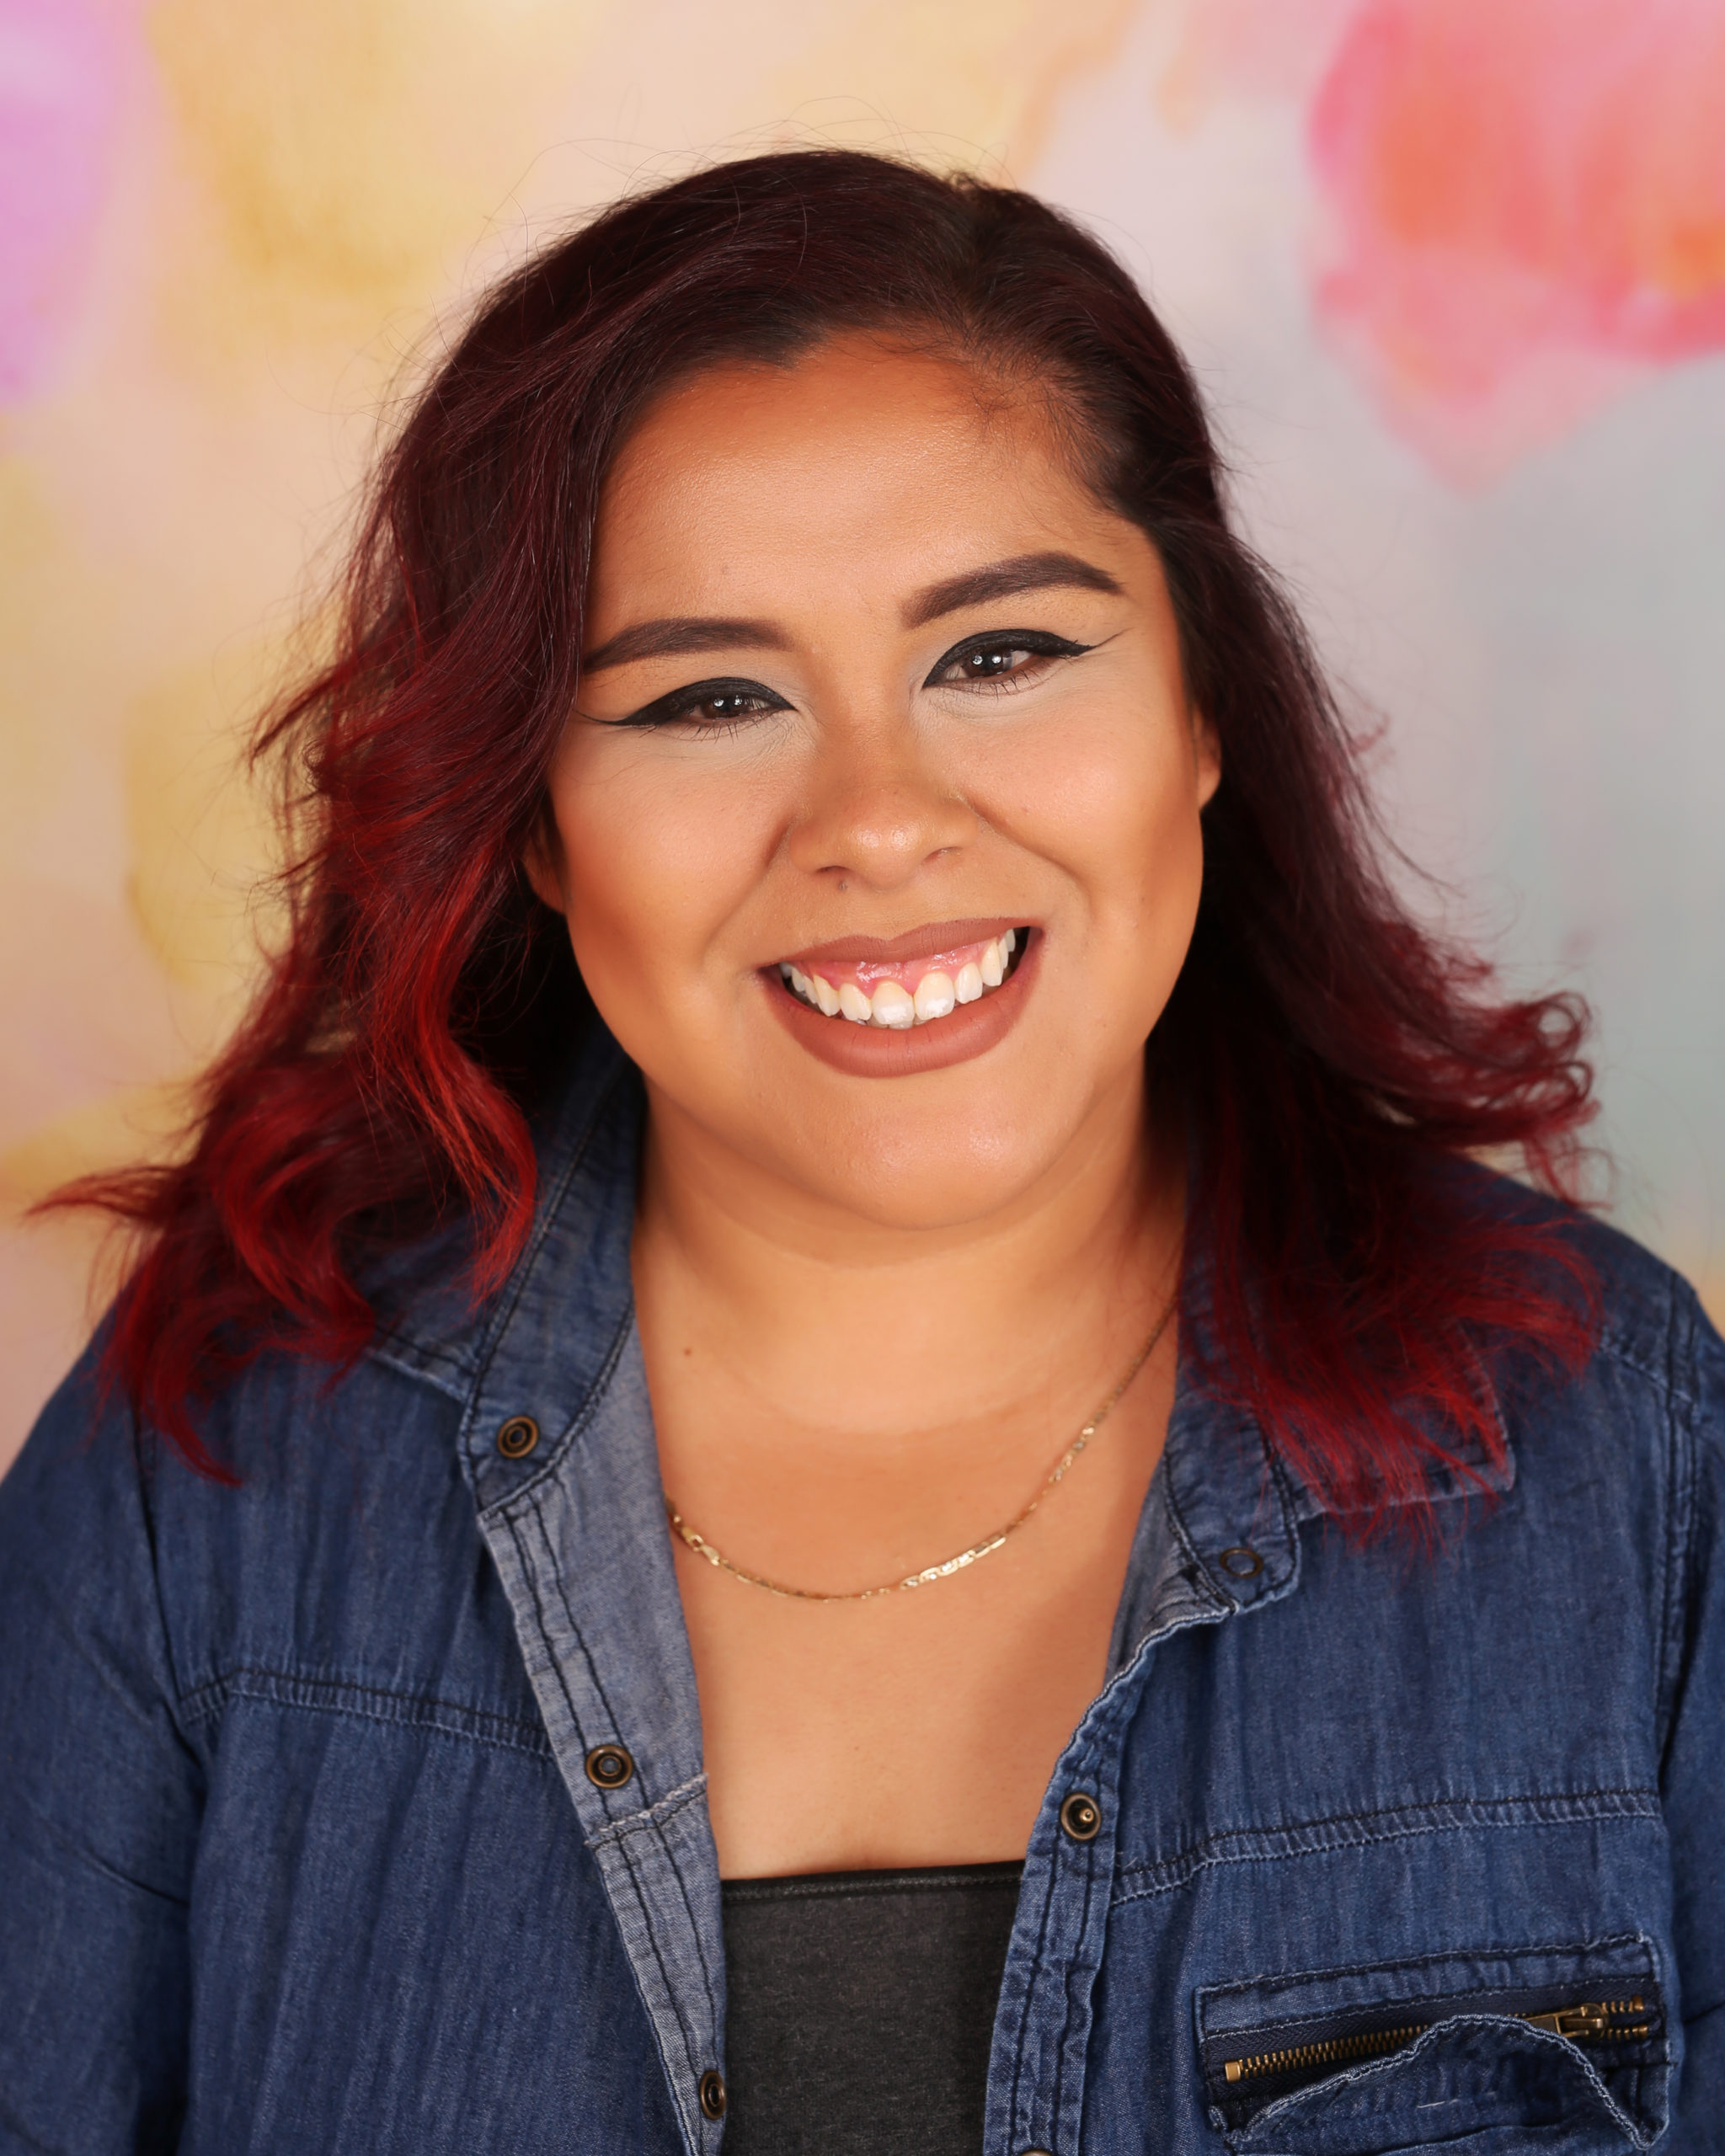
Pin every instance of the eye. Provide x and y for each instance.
(720, 705)
(1007, 659)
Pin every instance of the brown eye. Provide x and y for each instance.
(1006, 660)
(728, 704)
(988, 663)
(717, 704)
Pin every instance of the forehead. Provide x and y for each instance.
(884, 467)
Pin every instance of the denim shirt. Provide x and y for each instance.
(304, 1845)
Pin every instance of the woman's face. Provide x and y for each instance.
(877, 829)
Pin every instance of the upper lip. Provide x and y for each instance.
(926, 942)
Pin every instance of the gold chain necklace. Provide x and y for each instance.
(944, 1570)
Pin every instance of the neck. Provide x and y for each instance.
(854, 1337)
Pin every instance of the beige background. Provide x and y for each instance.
(1452, 270)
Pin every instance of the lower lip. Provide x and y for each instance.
(886, 1052)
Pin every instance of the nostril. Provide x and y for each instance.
(878, 832)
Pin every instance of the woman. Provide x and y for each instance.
(718, 1512)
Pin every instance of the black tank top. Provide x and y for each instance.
(861, 2009)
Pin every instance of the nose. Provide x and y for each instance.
(877, 810)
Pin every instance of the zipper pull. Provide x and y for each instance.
(1588, 2021)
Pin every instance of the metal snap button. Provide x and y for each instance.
(609, 1766)
(1080, 1817)
(1240, 1563)
(518, 1437)
(712, 2093)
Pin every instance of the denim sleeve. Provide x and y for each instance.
(99, 1799)
(1695, 1762)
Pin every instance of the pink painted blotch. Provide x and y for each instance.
(1525, 204)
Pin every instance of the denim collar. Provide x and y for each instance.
(557, 1342)
(554, 1338)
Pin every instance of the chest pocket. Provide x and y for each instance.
(1458, 2052)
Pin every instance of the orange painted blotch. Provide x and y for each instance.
(1525, 205)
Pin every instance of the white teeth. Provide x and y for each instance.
(891, 1006)
(814, 989)
(935, 996)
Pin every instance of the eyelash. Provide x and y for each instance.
(682, 705)
(1033, 643)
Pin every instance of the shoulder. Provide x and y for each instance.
(300, 1439)
(343, 1575)
(1624, 1441)
(1653, 1339)
(79, 1485)
(1656, 1345)
(349, 1526)
(295, 1440)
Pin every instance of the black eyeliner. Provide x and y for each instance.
(681, 703)
(1039, 643)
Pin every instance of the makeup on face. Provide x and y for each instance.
(882, 768)
(913, 988)
(999, 663)
(932, 999)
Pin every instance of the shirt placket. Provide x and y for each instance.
(1042, 2030)
(1218, 1539)
(586, 1564)
(558, 1448)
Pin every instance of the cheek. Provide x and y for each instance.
(658, 852)
(1113, 802)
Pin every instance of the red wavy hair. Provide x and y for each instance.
(1334, 1064)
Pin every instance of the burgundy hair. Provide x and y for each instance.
(1333, 1064)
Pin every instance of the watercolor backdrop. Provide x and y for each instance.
(1453, 272)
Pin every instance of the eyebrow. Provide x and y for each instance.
(671, 637)
(1004, 580)
(676, 635)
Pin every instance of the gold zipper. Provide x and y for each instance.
(1588, 2024)
(1583, 2024)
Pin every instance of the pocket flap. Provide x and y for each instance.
(1531, 2036)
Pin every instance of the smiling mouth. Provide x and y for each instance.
(899, 995)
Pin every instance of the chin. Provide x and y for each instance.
(925, 1171)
